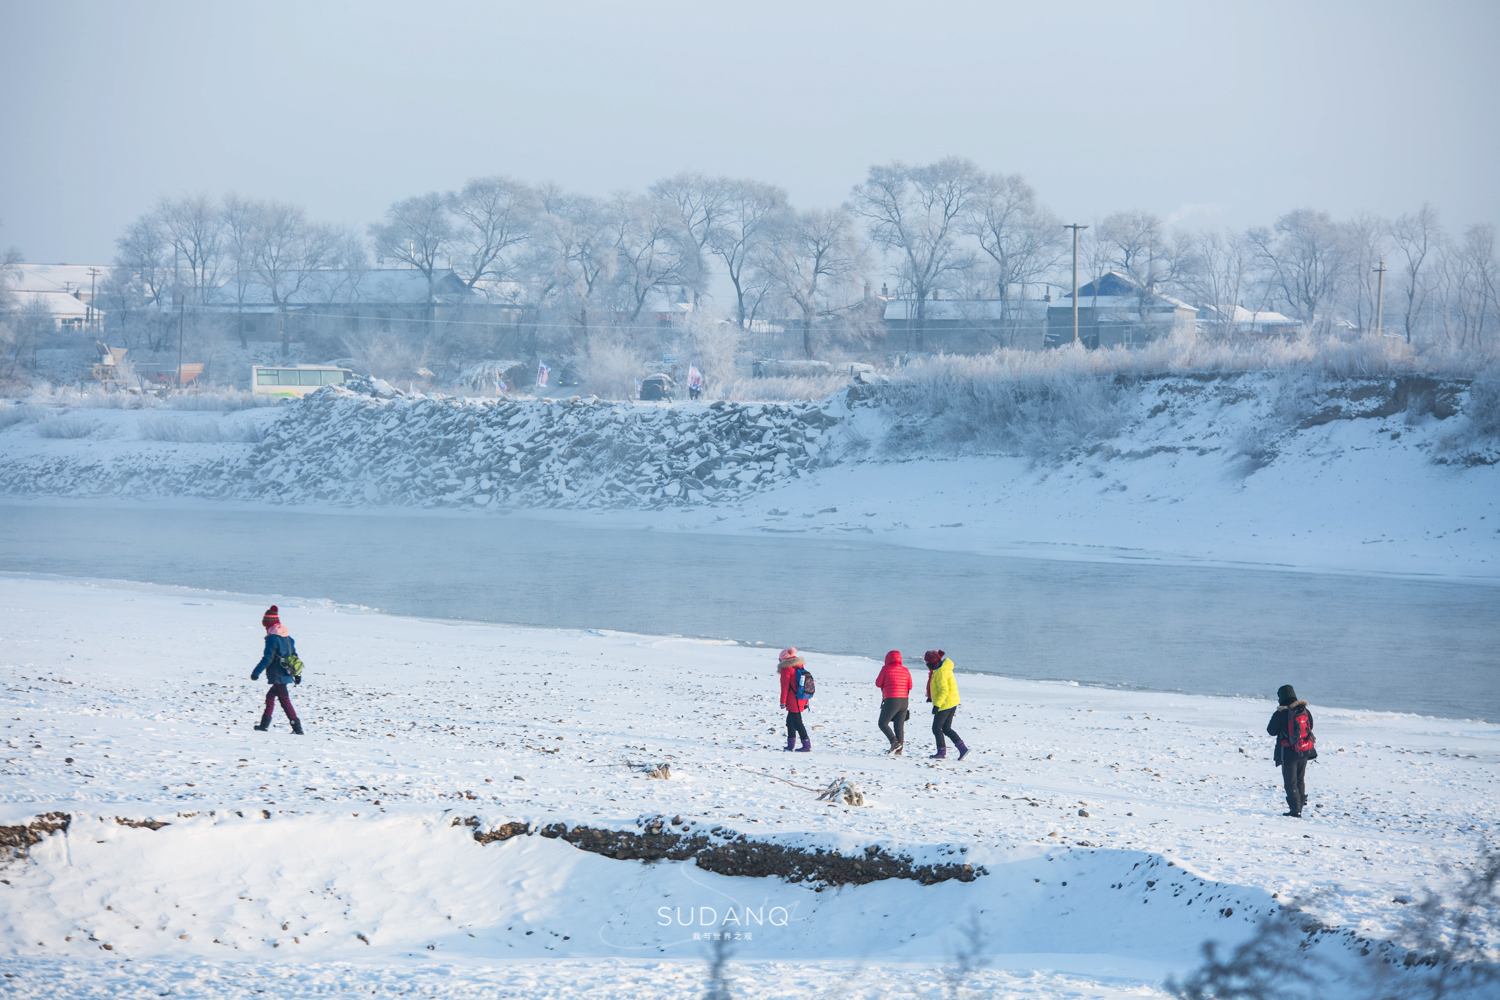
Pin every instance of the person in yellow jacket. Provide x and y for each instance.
(942, 691)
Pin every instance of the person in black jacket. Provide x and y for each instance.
(1295, 745)
(279, 645)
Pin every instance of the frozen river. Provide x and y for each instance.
(1396, 644)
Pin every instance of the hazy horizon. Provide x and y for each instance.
(1204, 117)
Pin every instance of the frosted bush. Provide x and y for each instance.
(11, 414)
(610, 368)
(778, 389)
(220, 398)
(1476, 440)
(164, 428)
(65, 425)
(92, 396)
(89, 396)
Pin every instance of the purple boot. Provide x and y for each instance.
(791, 741)
(942, 754)
(806, 747)
(963, 750)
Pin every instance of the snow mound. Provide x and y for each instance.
(371, 446)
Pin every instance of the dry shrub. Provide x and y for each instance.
(611, 366)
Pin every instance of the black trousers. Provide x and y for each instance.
(1293, 776)
(894, 710)
(794, 726)
(942, 725)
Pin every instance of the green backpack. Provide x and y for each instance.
(292, 664)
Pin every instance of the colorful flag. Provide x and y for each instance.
(541, 375)
(695, 377)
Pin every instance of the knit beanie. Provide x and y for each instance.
(1285, 694)
(270, 619)
(934, 658)
(790, 653)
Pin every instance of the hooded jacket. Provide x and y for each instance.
(277, 646)
(786, 671)
(942, 687)
(1277, 727)
(894, 680)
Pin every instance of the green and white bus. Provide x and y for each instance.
(294, 383)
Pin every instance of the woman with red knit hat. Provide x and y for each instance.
(279, 649)
(789, 672)
(894, 681)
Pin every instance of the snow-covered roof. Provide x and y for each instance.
(63, 288)
(58, 277)
(1248, 317)
(1114, 287)
(961, 310)
(390, 286)
(1124, 304)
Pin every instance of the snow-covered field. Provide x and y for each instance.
(1109, 832)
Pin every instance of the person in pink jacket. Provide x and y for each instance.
(788, 671)
(894, 681)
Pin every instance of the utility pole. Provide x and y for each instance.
(1075, 227)
(93, 273)
(1380, 299)
(181, 318)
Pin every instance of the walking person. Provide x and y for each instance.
(942, 691)
(791, 674)
(894, 681)
(280, 654)
(1292, 725)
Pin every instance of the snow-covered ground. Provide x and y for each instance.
(1252, 469)
(1110, 832)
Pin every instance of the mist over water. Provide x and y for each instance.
(1427, 647)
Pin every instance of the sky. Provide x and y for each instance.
(1208, 114)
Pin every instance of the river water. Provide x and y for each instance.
(1394, 644)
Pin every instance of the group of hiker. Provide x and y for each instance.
(895, 683)
(1291, 725)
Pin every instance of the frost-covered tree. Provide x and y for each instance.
(1475, 285)
(238, 241)
(1416, 237)
(575, 257)
(812, 260)
(286, 251)
(653, 250)
(194, 228)
(1366, 244)
(915, 214)
(9, 348)
(1022, 239)
(1302, 259)
(749, 217)
(700, 202)
(1214, 269)
(493, 220)
(417, 232)
(142, 273)
(1139, 248)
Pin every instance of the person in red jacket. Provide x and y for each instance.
(894, 681)
(788, 667)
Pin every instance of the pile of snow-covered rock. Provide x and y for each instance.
(376, 446)
(346, 447)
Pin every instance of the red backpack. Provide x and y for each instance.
(1299, 732)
